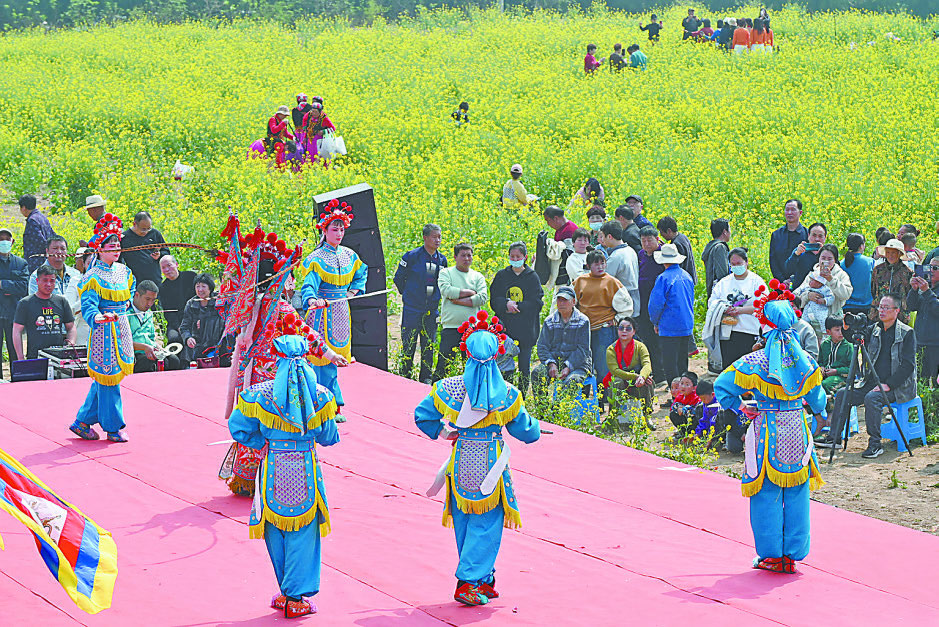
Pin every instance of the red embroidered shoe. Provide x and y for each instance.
(489, 589)
(279, 602)
(468, 594)
(775, 564)
(296, 609)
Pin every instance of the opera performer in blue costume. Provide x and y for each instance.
(471, 410)
(331, 272)
(780, 465)
(285, 418)
(105, 290)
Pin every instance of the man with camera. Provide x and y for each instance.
(892, 348)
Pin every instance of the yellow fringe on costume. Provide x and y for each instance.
(106, 292)
(512, 517)
(333, 278)
(496, 417)
(273, 421)
(808, 473)
(774, 390)
(126, 368)
(292, 523)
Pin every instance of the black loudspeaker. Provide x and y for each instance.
(369, 315)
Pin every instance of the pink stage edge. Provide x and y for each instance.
(611, 535)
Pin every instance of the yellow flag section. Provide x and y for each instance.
(79, 554)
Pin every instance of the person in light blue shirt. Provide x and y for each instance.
(859, 268)
(637, 58)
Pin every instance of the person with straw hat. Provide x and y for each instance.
(891, 277)
(277, 134)
(95, 205)
(471, 410)
(780, 466)
(671, 310)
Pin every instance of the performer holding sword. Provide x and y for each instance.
(331, 274)
(105, 291)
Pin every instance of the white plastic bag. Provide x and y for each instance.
(330, 146)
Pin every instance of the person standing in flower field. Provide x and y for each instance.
(637, 58)
(514, 194)
(653, 28)
(275, 141)
(591, 63)
(416, 280)
(35, 234)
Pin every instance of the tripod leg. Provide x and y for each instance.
(893, 416)
(843, 410)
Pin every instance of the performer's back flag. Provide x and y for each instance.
(78, 553)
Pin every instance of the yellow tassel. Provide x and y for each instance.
(105, 292)
(240, 486)
(292, 523)
(256, 532)
(773, 390)
(108, 379)
(497, 417)
(333, 278)
(273, 421)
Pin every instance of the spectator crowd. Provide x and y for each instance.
(610, 305)
(40, 306)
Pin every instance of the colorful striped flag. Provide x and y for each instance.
(79, 554)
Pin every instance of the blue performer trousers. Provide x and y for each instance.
(780, 520)
(102, 406)
(296, 559)
(478, 538)
(328, 377)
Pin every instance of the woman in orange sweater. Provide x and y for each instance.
(741, 41)
(768, 36)
(758, 37)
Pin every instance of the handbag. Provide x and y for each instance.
(330, 145)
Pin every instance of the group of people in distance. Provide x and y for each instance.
(633, 59)
(740, 35)
(309, 123)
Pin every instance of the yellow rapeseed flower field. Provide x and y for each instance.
(843, 117)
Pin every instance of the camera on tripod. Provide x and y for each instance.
(858, 328)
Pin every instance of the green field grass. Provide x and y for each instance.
(849, 129)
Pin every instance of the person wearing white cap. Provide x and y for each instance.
(277, 134)
(671, 309)
(891, 277)
(95, 206)
(514, 194)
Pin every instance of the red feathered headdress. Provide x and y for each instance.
(108, 225)
(292, 324)
(482, 322)
(334, 211)
(776, 291)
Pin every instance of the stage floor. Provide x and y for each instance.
(611, 535)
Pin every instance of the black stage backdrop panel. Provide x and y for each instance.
(369, 315)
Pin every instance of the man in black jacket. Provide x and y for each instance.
(145, 264)
(516, 297)
(785, 239)
(923, 297)
(175, 291)
(14, 274)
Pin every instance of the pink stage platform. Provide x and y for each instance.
(611, 536)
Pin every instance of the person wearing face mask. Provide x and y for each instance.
(516, 297)
(596, 216)
(105, 291)
(14, 273)
(731, 307)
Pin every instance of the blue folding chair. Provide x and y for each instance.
(912, 430)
